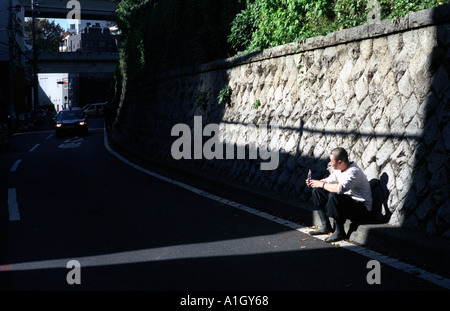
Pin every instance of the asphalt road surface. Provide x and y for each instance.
(75, 217)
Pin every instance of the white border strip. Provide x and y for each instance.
(420, 273)
(34, 148)
(13, 206)
(15, 166)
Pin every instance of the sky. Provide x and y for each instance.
(62, 22)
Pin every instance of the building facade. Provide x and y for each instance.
(90, 36)
(15, 92)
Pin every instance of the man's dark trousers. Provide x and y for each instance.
(338, 206)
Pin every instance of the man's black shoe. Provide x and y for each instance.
(321, 230)
(339, 233)
(335, 237)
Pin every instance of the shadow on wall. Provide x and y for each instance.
(380, 196)
(44, 99)
(427, 205)
(288, 179)
(147, 115)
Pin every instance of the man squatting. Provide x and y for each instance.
(344, 194)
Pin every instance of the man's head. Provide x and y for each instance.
(339, 159)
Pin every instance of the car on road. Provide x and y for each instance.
(95, 109)
(71, 121)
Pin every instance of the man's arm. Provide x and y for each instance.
(334, 187)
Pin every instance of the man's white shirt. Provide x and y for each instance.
(352, 182)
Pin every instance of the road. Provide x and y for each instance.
(69, 198)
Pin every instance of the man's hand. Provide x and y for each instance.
(313, 183)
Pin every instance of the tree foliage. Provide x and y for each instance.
(162, 35)
(48, 34)
(398, 8)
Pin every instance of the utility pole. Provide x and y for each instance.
(35, 98)
(12, 64)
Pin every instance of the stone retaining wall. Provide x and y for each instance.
(380, 90)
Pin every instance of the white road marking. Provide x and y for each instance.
(34, 148)
(15, 166)
(35, 132)
(71, 143)
(13, 207)
(49, 136)
(395, 263)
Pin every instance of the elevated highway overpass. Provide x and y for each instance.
(56, 62)
(74, 62)
(89, 9)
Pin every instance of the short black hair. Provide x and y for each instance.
(340, 154)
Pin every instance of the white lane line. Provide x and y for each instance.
(395, 263)
(35, 146)
(15, 166)
(36, 132)
(71, 143)
(48, 137)
(13, 207)
(431, 277)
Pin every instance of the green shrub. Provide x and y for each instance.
(398, 8)
(162, 35)
(224, 97)
(268, 23)
(256, 104)
(349, 13)
(201, 100)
